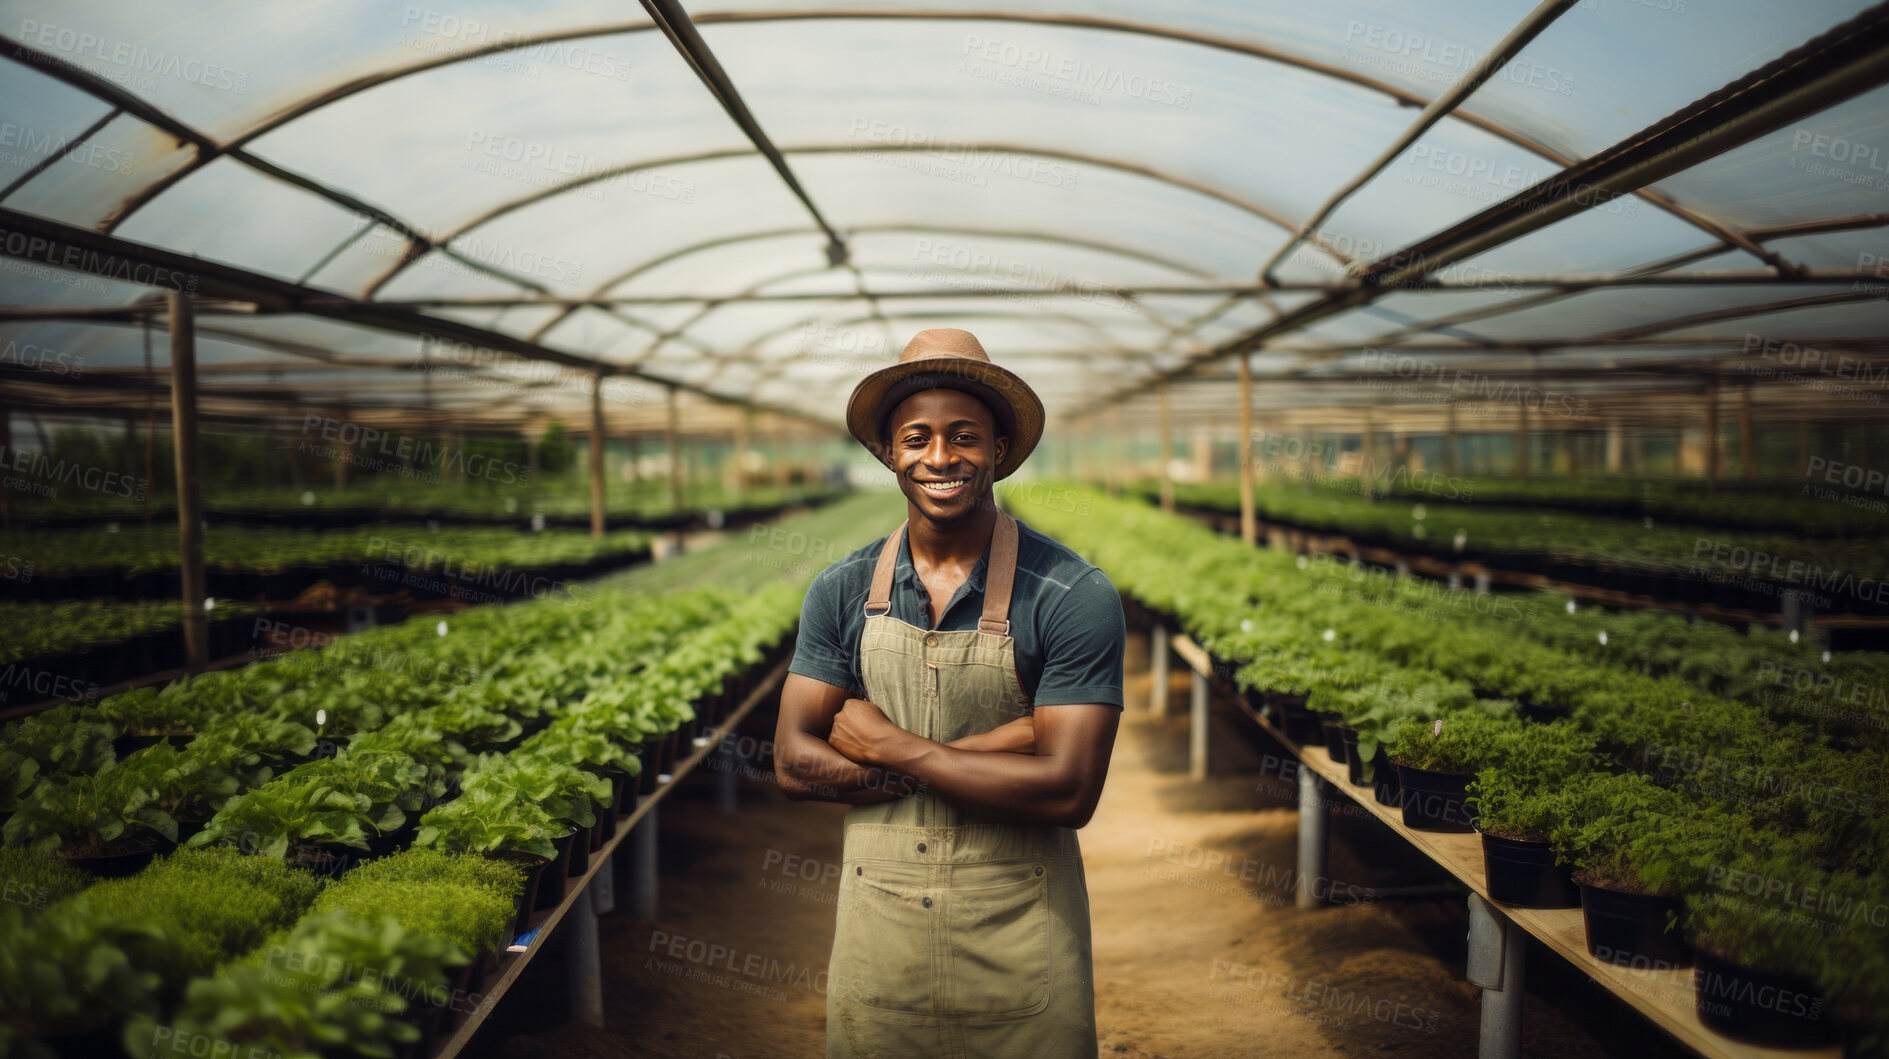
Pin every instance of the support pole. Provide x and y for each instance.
(1615, 447)
(1158, 664)
(727, 791)
(1711, 435)
(1115, 454)
(1197, 728)
(189, 489)
(596, 457)
(582, 967)
(1521, 441)
(675, 452)
(643, 867)
(1314, 837)
(1498, 958)
(6, 456)
(743, 428)
(1747, 437)
(603, 887)
(1249, 524)
(1369, 463)
(1452, 443)
(1166, 454)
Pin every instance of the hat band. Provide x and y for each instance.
(999, 408)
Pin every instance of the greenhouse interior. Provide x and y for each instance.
(540, 529)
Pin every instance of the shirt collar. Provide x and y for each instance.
(907, 571)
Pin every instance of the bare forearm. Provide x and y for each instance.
(809, 769)
(1022, 788)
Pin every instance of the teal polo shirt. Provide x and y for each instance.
(1065, 617)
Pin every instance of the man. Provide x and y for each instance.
(958, 683)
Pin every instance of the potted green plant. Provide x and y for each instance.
(1435, 763)
(332, 985)
(496, 822)
(1517, 805)
(1613, 825)
(108, 823)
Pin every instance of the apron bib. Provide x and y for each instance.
(956, 936)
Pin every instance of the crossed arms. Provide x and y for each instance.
(1046, 768)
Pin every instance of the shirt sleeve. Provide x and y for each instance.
(1083, 639)
(819, 650)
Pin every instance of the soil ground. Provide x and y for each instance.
(1199, 950)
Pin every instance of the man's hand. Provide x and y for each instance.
(860, 731)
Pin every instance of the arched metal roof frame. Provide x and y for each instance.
(1730, 238)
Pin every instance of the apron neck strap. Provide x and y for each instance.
(1000, 576)
(879, 599)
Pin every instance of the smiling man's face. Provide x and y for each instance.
(945, 450)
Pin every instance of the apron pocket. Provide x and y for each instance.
(997, 935)
(883, 939)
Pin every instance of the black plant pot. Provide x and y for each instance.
(580, 852)
(1384, 783)
(1760, 1007)
(606, 826)
(650, 754)
(1335, 744)
(1436, 801)
(1630, 929)
(1301, 725)
(534, 866)
(125, 857)
(551, 885)
(1524, 874)
(1354, 764)
(330, 859)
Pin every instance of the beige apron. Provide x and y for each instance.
(957, 936)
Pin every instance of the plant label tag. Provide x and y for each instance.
(1437, 728)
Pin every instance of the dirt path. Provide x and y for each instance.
(1199, 950)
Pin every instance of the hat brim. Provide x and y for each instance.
(868, 406)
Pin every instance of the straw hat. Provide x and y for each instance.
(947, 358)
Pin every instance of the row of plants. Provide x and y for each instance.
(1844, 694)
(1850, 569)
(557, 498)
(1734, 505)
(134, 549)
(508, 736)
(1650, 788)
(52, 630)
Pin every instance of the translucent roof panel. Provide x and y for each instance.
(916, 95)
(225, 67)
(440, 148)
(216, 211)
(1833, 164)
(1605, 69)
